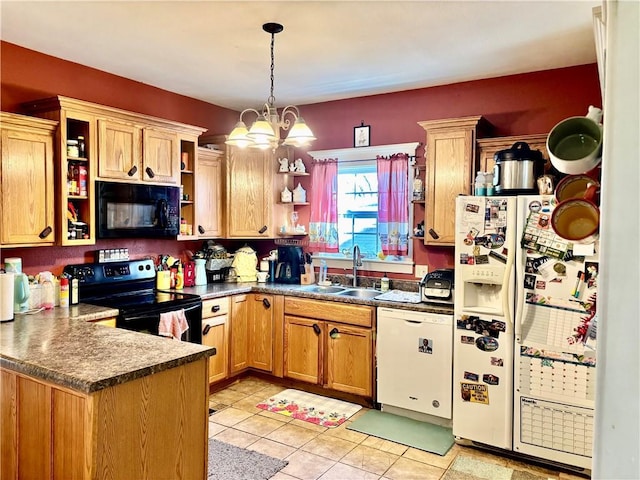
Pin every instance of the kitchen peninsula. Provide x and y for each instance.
(91, 401)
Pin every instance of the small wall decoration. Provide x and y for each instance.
(284, 165)
(299, 164)
(299, 194)
(362, 135)
(286, 196)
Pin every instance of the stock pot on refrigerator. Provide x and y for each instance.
(516, 170)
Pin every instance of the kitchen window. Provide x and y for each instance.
(357, 208)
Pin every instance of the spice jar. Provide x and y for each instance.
(72, 148)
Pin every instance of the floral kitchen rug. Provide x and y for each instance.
(316, 409)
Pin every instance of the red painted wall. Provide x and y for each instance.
(513, 105)
(29, 75)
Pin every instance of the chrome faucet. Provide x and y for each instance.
(357, 262)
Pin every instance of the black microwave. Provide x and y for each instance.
(126, 210)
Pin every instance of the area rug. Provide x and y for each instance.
(471, 468)
(323, 411)
(228, 462)
(406, 431)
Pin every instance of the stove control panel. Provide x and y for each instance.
(110, 273)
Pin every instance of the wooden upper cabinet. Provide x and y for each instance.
(27, 213)
(488, 147)
(119, 147)
(129, 152)
(160, 156)
(209, 199)
(250, 193)
(450, 162)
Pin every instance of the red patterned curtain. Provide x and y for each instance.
(323, 223)
(393, 203)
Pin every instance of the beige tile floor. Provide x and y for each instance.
(316, 452)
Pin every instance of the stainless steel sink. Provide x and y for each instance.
(360, 293)
(322, 289)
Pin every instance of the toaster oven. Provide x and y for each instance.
(438, 286)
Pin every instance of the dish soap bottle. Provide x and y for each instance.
(384, 283)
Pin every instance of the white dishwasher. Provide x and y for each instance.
(414, 361)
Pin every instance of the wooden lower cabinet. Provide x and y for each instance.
(154, 427)
(239, 334)
(349, 359)
(215, 333)
(252, 336)
(260, 325)
(304, 346)
(329, 344)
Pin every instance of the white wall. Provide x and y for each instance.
(617, 431)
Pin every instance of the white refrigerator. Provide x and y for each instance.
(525, 331)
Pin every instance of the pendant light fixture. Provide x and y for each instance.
(265, 131)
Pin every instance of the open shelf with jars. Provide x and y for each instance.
(187, 190)
(77, 190)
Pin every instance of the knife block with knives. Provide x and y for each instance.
(308, 276)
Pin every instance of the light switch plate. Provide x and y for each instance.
(421, 270)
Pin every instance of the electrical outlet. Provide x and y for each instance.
(421, 270)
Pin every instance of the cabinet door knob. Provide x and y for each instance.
(266, 303)
(149, 172)
(334, 333)
(46, 232)
(132, 171)
(433, 233)
(201, 229)
(263, 229)
(215, 308)
(316, 329)
(206, 329)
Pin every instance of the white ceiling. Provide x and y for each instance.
(216, 51)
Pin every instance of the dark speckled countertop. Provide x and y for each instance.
(215, 290)
(64, 347)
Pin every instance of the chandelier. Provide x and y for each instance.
(265, 131)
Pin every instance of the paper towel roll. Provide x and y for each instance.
(6, 296)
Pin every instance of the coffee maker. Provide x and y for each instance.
(290, 264)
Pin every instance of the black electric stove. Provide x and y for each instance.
(129, 287)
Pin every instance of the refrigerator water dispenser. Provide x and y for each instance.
(483, 289)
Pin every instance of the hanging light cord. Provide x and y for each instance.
(272, 99)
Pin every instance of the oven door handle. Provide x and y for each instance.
(147, 315)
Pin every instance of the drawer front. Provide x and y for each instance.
(215, 307)
(360, 315)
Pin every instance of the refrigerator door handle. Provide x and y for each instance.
(517, 330)
(506, 290)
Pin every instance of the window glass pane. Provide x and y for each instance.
(358, 207)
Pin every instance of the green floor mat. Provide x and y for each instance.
(420, 435)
